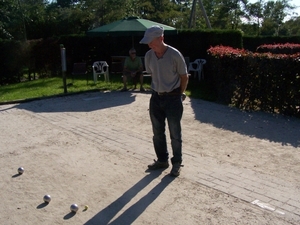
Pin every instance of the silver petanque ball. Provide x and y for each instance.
(20, 170)
(47, 198)
(74, 208)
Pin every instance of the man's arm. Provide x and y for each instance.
(184, 79)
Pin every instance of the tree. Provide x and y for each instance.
(224, 14)
(66, 3)
(275, 12)
(11, 23)
(255, 14)
(7, 8)
(291, 27)
(268, 16)
(161, 11)
(33, 19)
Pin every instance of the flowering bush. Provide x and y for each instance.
(287, 48)
(221, 51)
(256, 81)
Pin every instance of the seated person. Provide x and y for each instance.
(133, 69)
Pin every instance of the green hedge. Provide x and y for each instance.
(12, 60)
(43, 56)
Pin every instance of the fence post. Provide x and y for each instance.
(63, 66)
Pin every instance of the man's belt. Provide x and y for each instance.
(174, 92)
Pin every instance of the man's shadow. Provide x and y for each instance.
(134, 211)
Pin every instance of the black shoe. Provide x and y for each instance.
(158, 165)
(175, 172)
(124, 89)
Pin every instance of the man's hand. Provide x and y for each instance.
(183, 96)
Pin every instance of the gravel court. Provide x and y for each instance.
(118, 125)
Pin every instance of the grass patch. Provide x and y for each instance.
(48, 87)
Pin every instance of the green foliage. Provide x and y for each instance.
(12, 61)
(7, 10)
(34, 19)
(66, 3)
(291, 27)
(225, 14)
(43, 56)
(268, 16)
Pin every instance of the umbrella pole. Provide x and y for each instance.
(132, 38)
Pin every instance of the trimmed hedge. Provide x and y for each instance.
(252, 42)
(256, 81)
(43, 56)
(287, 48)
(12, 60)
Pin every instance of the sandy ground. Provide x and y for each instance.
(93, 149)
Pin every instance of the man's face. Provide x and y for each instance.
(155, 43)
(132, 54)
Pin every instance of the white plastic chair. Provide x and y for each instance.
(197, 67)
(100, 67)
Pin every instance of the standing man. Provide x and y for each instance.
(169, 81)
(133, 69)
